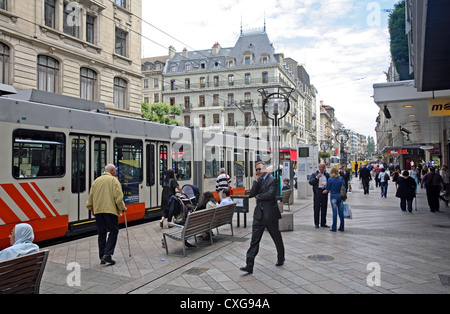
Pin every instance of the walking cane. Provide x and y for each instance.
(416, 202)
(128, 237)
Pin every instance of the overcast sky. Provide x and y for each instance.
(344, 44)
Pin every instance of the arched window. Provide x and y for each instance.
(48, 72)
(88, 84)
(4, 64)
(120, 93)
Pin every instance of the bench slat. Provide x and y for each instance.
(23, 274)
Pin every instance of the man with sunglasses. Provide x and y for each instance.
(266, 215)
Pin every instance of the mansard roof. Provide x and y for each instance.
(256, 44)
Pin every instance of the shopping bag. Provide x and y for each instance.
(347, 212)
(360, 186)
(371, 185)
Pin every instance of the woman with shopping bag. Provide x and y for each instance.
(334, 184)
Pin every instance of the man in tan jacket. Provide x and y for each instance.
(106, 203)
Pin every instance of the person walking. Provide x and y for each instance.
(446, 179)
(433, 181)
(383, 178)
(266, 216)
(345, 176)
(365, 177)
(406, 190)
(169, 184)
(318, 181)
(333, 187)
(105, 201)
(222, 182)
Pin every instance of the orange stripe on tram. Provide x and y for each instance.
(27, 188)
(7, 215)
(14, 193)
(55, 213)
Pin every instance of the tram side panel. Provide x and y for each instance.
(32, 182)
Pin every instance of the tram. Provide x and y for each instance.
(55, 146)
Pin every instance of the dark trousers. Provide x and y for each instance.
(433, 192)
(105, 223)
(403, 202)
(259, 225)
(365, 183)
(320, 207)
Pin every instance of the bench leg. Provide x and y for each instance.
(165, 244)
(183, 241)
(232, 231)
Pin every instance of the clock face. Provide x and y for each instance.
(342, 137)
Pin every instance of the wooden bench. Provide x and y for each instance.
(223, 216)
(199, 222)
(23, 275)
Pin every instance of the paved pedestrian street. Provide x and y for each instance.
(383, 250)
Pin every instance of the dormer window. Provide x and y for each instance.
(248, 58)
(231, 63)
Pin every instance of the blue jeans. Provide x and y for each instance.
(337, 206)
(384, 188)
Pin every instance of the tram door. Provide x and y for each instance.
(79, 178)
(157, 163)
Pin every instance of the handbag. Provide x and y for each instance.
(347, 212)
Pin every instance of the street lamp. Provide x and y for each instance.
(276, 106)
(342, 138)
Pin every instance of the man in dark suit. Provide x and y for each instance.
(318, 180)
(266, 215)
(365, 177)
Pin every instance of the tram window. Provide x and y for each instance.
(238, 163)
(150, 176)
(78, 166)
(100, 154)
(128, 159)
(162, 162)
(181, 161)
(211, 162)
(38, 154)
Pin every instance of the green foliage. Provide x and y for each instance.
(161, 113)
(399, 39)
(324, 155)
(370, 145)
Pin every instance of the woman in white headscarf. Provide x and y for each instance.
(21, 239)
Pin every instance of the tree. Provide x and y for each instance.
(370, 145)
(161, 113)
(399, 39)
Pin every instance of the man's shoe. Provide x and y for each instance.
(280, 263)
(107, 259)
(247, 269)
(325, 226)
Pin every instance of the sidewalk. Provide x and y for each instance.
(411, 252)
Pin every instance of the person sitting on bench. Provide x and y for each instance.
(21, 239)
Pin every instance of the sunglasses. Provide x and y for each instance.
(259, 169)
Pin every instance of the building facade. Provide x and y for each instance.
(218, 88)
(152, 70)
(85, 48)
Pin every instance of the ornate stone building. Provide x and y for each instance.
(218, 88)
(86, 48)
